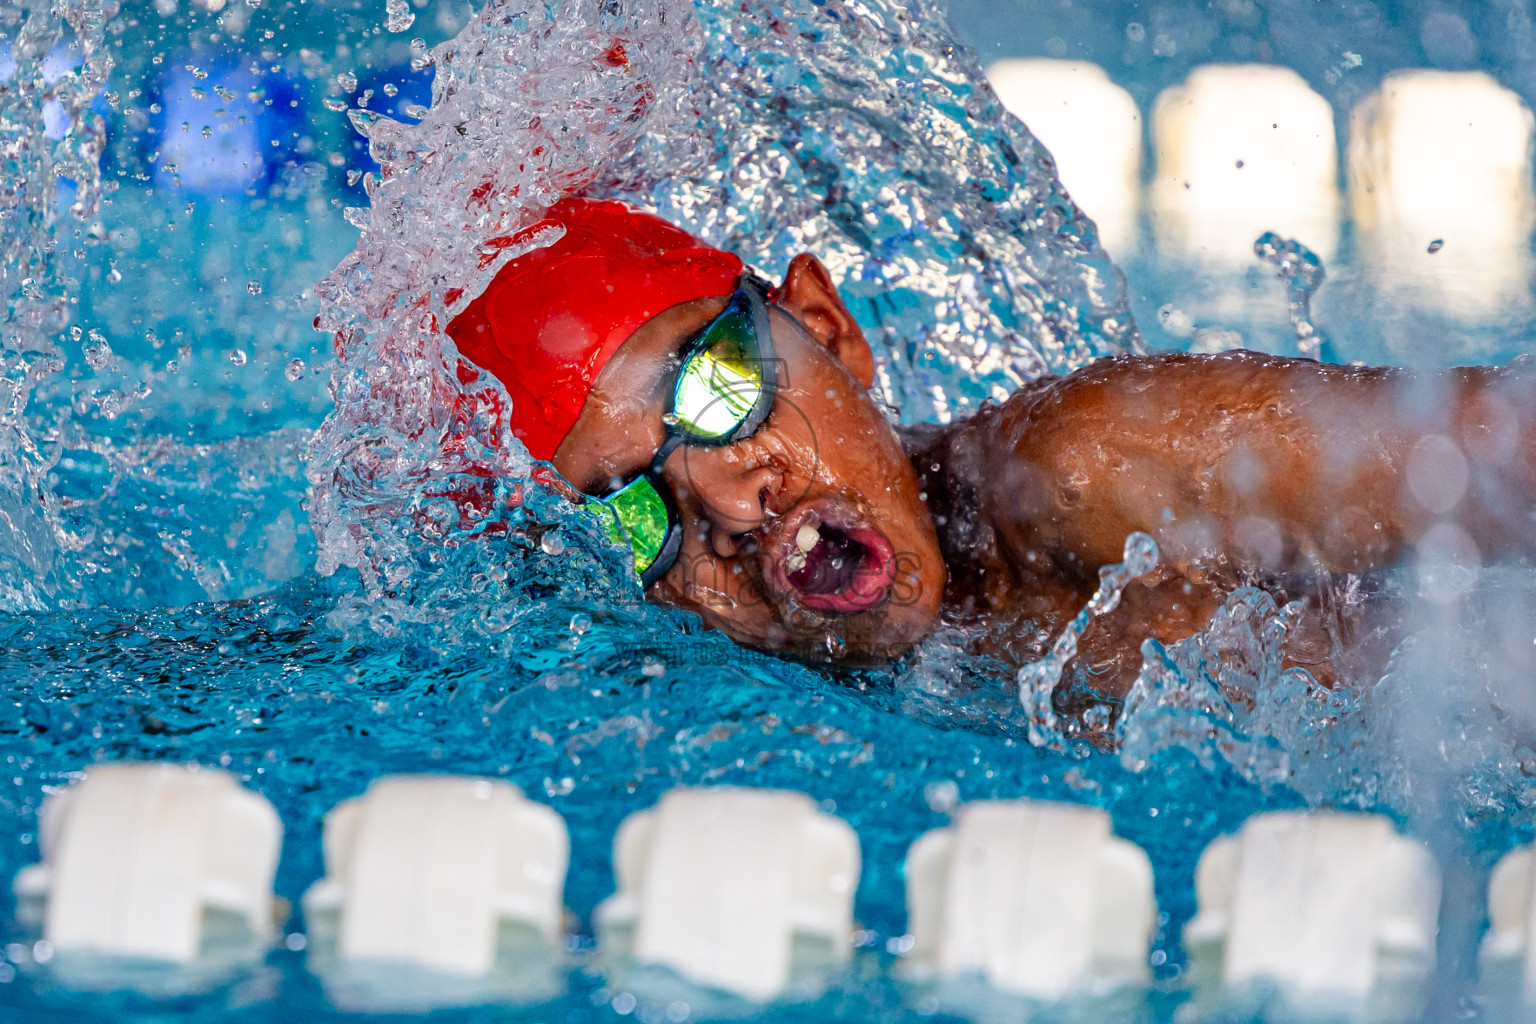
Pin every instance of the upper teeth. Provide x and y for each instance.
(807, 537)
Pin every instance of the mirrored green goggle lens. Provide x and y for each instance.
(721, 381)
(639, 519)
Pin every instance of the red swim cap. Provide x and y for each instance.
(550, 319)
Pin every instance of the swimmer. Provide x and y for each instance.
(724, 428)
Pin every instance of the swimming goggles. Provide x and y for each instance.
(724, 390)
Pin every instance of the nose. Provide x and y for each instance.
(727, 486)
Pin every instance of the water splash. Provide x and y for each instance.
(941, 216)
(1223, 695)
(1038, 680)
(159, 523)
(398, 15)
(1302, 271)
(766, 128)
(52, 145)
(1440, 736)
(525, 108)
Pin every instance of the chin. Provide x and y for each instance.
(834, 651)
(865, 639)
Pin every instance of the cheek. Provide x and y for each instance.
(841, 415)
(856, 447)
(824, 427)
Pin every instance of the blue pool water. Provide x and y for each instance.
(226, 544)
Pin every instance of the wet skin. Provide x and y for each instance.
(1245, 468)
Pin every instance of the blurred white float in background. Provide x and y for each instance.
(1440, 184)
(1243, 149)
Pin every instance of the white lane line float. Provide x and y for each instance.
(727, 887)
(426, 870)
(1041, 899)
(1328, 908)
(136, 856)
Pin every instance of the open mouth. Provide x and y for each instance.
(833, 564)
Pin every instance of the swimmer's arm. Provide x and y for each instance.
(1274, 464)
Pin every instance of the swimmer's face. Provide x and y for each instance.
(808, 538)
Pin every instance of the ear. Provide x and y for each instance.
(809, 295)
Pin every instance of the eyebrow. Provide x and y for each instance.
(673, 360)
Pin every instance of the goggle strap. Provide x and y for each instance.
(671, 444)
(665, 558)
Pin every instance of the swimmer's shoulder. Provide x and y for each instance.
(1113, 394)
(1102, 397)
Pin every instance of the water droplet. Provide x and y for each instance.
(398, 15)
(580, 623)
(943, 796)
(1302, 271)
(98, 353)
(295, 369)
(551, 544)
(237, 356)
(207, 132)
(348, 81)
(254, 287)
(1436, 246)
